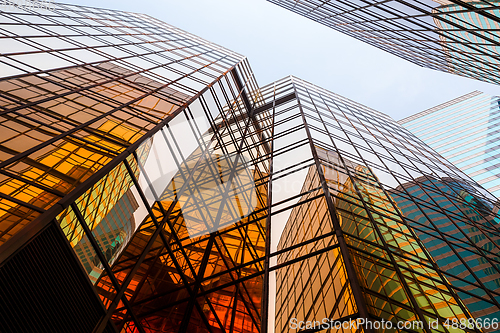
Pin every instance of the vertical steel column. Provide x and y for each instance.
(265, 290)
(349, 266)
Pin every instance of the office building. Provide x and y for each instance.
(146, 178)
(465, 131)
(453, 36)
(470, 254)
(401, 234)
(86, 95)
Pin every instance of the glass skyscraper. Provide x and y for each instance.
(453, 36)
(149, 184)
(465, 131)
(401, 234)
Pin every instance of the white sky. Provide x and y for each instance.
(278, 43)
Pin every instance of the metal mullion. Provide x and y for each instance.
(434, 190)
(288, 131)
(445, 211)
(140, 284)
(430, 266)
(158, 226)
(297, 204)
(251, 276)
(262, 233)
(399, 304)
(295, 170)
(286, 263)
(240, 225)
(265, 291)
(71, 136)
(159, 295)
(319, 299)
(404, 221)
(206, 150)
(163, 307)
(368, 254)
(307, 256)
(214, 313)
(235, 269)
(181, 247)
(435, 268)
(452, 247)
(186, 181)
(235, 307)
(276, 253)
(235, 188)
(342, 244)
(80, 89)
(22, 203)
(398, 51)
(388, 10)
(444, 171)
(291, 147)
(445, 194)
(131, 258)
(227, 130)
(217, 129)
(463, 218)
(242, 94)
(157, 199)
(82, 126)
(201, 272)
(100, 198)
(303, 243)
(107, 100)
(244, 236)
(32, 183)
(104, 262)
(210, 168)
(255, 141)
(71, 41)
(232, 132)
(440, 237)
(426, 14)
(127, 280)
(254, 256)
(480, 11)
(261, 158)
(397, 269)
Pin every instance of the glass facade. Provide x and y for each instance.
(454, 36)
(193, 200)
(400, 233)
(465, 131)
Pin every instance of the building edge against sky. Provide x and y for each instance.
(465, 131)
(146, 180)
(453, 36)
